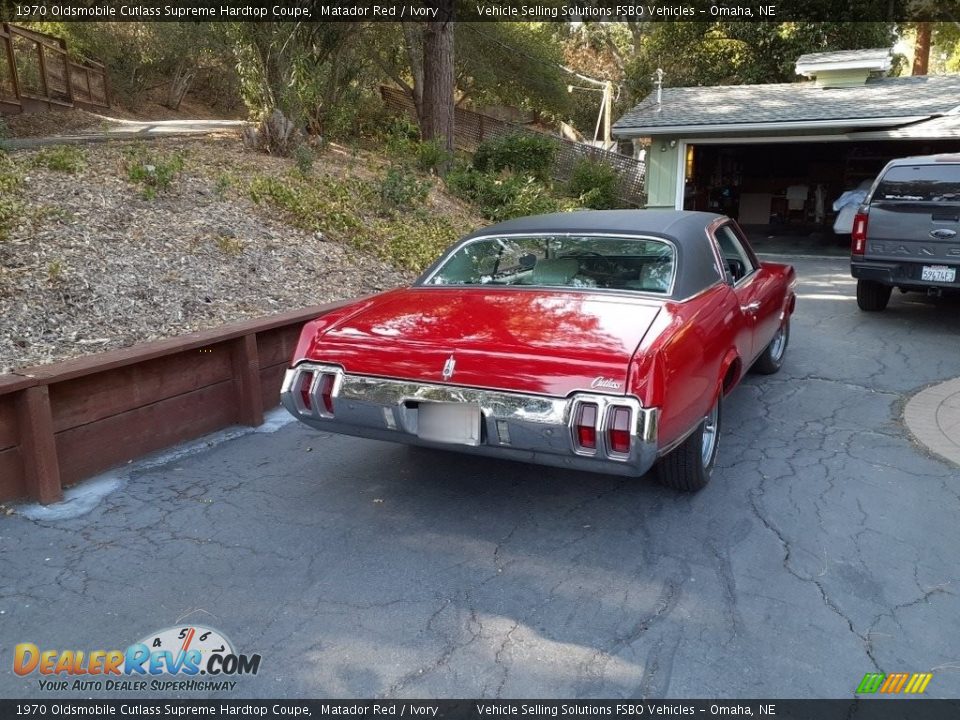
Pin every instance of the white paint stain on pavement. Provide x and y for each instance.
(85, 496)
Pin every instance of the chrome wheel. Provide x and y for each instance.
(708, 444)
(778, 345)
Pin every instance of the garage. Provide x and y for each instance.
(777, 156)
(788, 183)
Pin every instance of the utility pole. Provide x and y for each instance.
(607, 112)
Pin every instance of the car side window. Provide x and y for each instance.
(738, 261)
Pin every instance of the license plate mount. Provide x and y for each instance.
(449, 423)
(938, 273)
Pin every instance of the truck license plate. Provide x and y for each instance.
(939, 273)
(454, 423)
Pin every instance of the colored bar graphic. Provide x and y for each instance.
(870, 683)
(894, 683)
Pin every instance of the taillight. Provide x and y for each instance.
(858, 237)
(326, 392)
(618, 430)
(585, 426)
(306, 380)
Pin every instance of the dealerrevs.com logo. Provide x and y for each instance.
(172, 659)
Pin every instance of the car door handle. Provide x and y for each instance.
(751, 308)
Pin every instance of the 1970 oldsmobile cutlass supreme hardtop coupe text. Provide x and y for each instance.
(597, 340)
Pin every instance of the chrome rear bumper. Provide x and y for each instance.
(529, 428)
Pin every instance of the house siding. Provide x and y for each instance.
(662, 168)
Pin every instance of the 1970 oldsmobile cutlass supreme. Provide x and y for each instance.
(598, 340)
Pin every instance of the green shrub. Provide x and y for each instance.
(62, 158)
(223, 183)
(401, 189)
(10, 174)
(340, 208)
(10, 206)
(154, 171)
(320, 204)
(401, 138)
(409, 242)
(501, 196)
(303, 156)
(528, 153)
(595, 184)
(431, 156)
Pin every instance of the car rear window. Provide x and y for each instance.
(613, 263)
(920, 183)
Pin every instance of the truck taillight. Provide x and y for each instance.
(326, 391)
(858, 237)
(304, 383)
(618, 430)
(585, 426)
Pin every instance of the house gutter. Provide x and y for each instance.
(647, 130)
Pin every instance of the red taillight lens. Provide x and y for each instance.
(306, 380)
(586, 426)
(858, 237)
(618, 431)
(326, 392)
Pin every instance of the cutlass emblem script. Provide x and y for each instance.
(605, 383)
(448, 367)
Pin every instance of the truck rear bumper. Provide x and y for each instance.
(905, 275)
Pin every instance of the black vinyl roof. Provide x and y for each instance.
(696, 264)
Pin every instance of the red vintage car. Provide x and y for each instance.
(598, 340)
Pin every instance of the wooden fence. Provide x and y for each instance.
(38, 73)
(471, 128)
(64, 422)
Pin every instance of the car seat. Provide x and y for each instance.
(555, 271)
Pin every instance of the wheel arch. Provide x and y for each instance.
(731, 370)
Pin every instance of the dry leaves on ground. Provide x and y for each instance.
(93, 265)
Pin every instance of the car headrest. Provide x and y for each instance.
(555, 271)
(655, 277)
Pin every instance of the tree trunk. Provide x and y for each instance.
(438, 76)
(413, 43)
(179, 84)
(921, 49)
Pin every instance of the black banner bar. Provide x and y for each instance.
(860, 709)
(481, 10)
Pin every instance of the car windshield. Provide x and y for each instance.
(586, 261)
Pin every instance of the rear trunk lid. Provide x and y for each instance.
(529, 341)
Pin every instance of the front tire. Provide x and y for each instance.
(872, 296)
(689, 466)
(771, 359)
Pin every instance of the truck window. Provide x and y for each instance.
(920, 183)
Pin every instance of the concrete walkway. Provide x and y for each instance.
(117, 129)
(933, 416)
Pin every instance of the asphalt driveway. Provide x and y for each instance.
(826, 547)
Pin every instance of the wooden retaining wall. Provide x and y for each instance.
(64, 422)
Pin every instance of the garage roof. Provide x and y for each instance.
(880, 102)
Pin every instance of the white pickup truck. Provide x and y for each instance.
(905, 235)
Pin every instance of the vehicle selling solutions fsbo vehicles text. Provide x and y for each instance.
(578, 11)
(653, 12)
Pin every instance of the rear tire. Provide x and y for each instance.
(872, 296)
(688, 466)
(771, 359)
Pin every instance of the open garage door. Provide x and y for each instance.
(786, 186)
